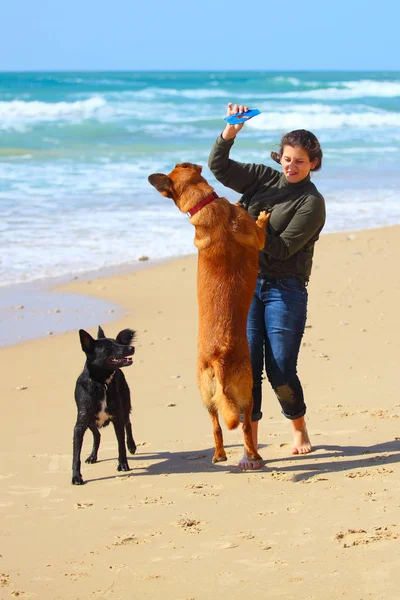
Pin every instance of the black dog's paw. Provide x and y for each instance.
(131, 447)
(91, 459)
(123, 466)
(77, 480)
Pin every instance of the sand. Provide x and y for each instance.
(316, 527)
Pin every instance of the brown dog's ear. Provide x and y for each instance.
(100, 333)
(162, 183)
(87, 342)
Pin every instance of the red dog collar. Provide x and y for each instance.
(200, 205)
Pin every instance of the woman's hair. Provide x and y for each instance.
(303, 139)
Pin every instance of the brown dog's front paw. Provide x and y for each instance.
(262, 223)
(263, 217)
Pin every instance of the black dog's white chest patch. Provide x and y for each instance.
(103, 416)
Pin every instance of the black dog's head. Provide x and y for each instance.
(107, 353)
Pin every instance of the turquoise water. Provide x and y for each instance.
(76, 150)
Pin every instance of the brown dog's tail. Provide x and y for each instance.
(227, 406)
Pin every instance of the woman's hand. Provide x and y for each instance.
(231, 131)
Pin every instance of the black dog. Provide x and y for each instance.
(102, 395)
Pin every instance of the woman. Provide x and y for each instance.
(277, 316)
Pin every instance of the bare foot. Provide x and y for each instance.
(249, 465)
(301, 441)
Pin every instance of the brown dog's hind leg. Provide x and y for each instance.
(261, 229)
(251, 452)
(207, 386)
(219, 454)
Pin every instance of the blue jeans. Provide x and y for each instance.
(275, 327)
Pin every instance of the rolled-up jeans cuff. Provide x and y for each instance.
(254, 417)
(297, 416)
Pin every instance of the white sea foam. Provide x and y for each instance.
(18, 113)
(291, 80)
(87, 239)
(368, 150)
(79, 240)
(348, 90)
(153, 93)
(64, 180)
(319, 117)
(21, 115)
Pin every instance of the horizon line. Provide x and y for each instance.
(228, 70)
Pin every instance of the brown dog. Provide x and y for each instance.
(228, 241)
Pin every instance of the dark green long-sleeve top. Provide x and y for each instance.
(297, 211)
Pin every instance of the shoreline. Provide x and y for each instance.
(43, 307)
(58, 305)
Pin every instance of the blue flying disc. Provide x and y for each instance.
(242, 117)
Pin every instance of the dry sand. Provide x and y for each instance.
(316, 527)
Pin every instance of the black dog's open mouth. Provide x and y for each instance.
(124, 361)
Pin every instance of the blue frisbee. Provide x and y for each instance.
(242, 117)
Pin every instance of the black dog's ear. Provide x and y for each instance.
(162, 183)
(87, 342)
(100, 333)
(125, 337)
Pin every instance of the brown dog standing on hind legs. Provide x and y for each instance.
(228, 241)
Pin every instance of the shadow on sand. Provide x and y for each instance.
(323, 460)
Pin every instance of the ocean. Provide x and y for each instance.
(76, 150)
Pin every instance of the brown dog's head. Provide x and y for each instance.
(184, 185)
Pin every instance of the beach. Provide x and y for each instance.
(318, 527)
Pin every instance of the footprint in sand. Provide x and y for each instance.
(265, 546)
(280, 476)
(155, 500)
(358, 537)
(245, 535)
(189, 524)
(227, 546)
(312, 479)
(369, 472)
(202, 489)
(79, 505)
(129, 539)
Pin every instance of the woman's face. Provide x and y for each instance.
(296, 163)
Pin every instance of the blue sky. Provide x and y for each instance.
(208, 35)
